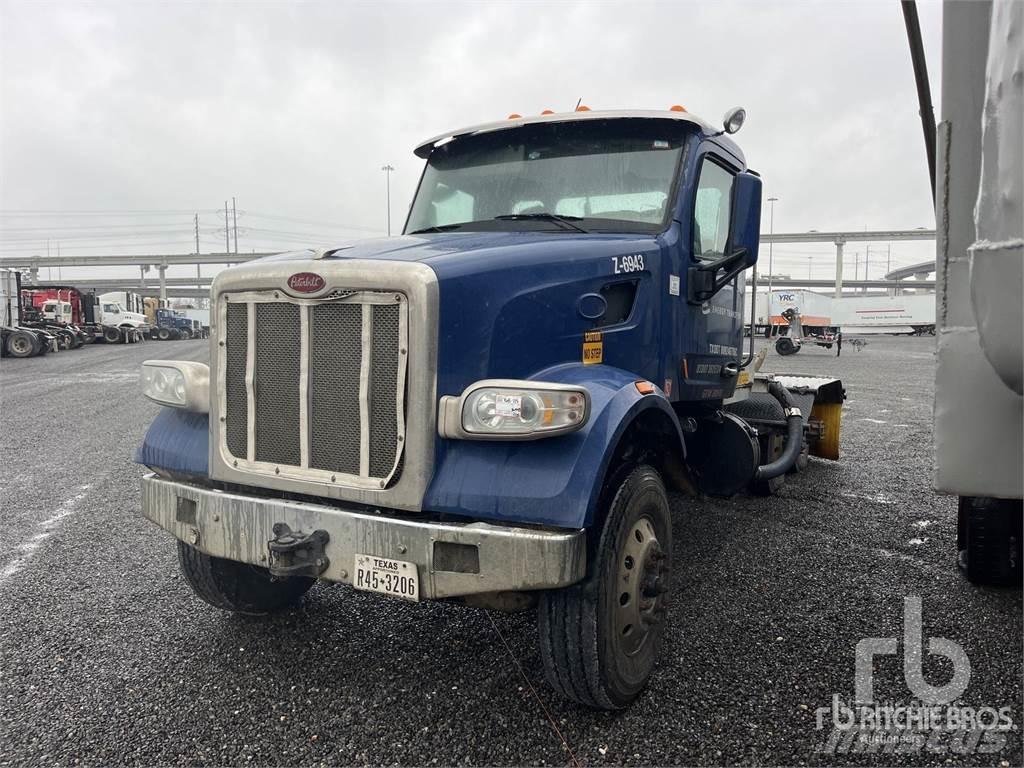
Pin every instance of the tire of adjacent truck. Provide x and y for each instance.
(785, 346)
(238, 587)
(599, 639)
(163, 334)
(22, 344)
(111, 335)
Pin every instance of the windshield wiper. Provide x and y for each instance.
(565, 221)
(439, 228)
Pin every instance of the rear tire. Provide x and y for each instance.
(238, 587)
(599, 639)
(21, 344)
(111, 335)
(163, 334)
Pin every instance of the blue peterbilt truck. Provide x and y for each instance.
(490, 407)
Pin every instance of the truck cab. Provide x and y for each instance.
(491, 407)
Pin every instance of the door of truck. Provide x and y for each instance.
(713, 333)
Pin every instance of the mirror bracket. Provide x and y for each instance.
(704, 280)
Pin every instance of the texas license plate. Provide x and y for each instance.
(389, 577)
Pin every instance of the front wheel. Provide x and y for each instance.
(599, 639)
(238, 587)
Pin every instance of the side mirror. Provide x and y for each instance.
(745, 221)
(707, 279)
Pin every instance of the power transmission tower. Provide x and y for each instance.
(227, 230)
(234, 216)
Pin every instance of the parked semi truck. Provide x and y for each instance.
(94, 318)
(17, 340)
(491, 407)
(173, 324)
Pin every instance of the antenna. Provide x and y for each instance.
(578, 102)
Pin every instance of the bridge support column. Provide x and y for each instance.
(839, 268)
(163, 283)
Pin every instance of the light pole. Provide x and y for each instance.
(771, 231)
(387, 176)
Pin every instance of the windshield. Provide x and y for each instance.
(595, 175)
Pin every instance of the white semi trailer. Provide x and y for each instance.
(979, 379)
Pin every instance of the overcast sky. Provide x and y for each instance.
(293, 108)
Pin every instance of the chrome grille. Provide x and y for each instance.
(276, 383)
(237, 401)
(335, 363)
(383, 371)
(314, 389)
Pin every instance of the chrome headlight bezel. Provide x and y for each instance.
(177, 384)
(452, 422)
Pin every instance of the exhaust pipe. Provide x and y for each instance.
(794, 435)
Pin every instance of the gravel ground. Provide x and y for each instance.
(107, 658)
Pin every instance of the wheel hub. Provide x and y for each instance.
(641, 584)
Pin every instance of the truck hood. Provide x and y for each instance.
(453, 253)
(510, 301)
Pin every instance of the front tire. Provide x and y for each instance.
(238, 587)
(599, 639)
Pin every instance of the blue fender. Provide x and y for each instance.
(178, 441)
(553, 481)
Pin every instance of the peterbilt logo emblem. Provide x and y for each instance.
(306, 282)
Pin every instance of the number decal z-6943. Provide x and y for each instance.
(626, 264)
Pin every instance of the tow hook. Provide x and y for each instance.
(297, 554)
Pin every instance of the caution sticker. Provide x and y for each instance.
(593, 348)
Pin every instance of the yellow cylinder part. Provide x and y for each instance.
(830, 415)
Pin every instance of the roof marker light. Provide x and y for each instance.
(514, 116)
(677, 108)
(548, 112)
(582, 108)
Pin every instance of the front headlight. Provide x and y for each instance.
(177, 383)
(514, 410)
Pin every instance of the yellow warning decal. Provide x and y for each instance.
(743, 379)
(593, 348)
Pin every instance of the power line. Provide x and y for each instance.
(15, 213)
(309, 221)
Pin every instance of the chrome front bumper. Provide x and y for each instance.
(238, 527)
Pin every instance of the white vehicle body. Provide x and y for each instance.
(112, 310)
(814, 308)
(9, 311)
(885, 314)
(57, 311)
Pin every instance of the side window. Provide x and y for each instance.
(711, 211)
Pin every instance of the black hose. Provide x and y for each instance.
(794, 435)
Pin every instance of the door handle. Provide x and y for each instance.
(729, 370)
